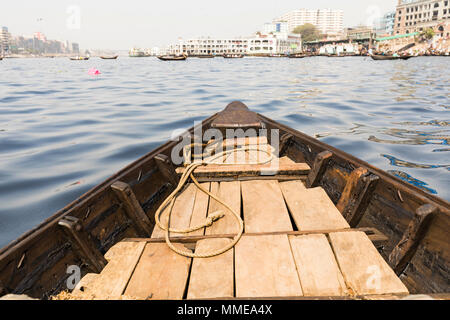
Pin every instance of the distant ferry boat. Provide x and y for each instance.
(138, 53)
(79, 58)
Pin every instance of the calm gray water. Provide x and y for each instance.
(63, 131)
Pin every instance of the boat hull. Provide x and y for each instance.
(81, 233)
(172, 58)
(381, 57)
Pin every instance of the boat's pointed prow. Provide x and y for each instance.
(236, 105)
(237, 115)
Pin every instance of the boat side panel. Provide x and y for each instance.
(390, 210)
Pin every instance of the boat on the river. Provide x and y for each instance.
(173, 58)
(205, 56)
(298, 219)
(277, 55)
(138, 53)
(233, 56)
(389, 57)
(109, 57)
(297, 56)
(79, 58)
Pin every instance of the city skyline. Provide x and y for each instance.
(105, 25)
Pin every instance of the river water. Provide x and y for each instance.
(63, 131)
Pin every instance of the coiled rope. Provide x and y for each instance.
(189, 173)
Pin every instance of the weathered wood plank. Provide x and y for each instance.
(79, 239)
(264, 267)
(237, 115)
(200, 211)
(180, 217)
(240, 170)
(317, 267)
(212, 277)
(350, 187)
(318, 169)
(166, 167)
(264, 207)
(405, 249)
(229, 193)
(132, 208)
(83, 288)
(363, 268)
(112, 281)
(311, 209)
(160, 274)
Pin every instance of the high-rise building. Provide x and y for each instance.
(327, 21)
(417, 15)
(75, 48)
(385, 25)
(5, 40)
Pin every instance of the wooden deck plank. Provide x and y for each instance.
(160, 274)
(317, 267)
(264, 267)
(311, 209)
(229, 193)
(264, 207)
(200, 211)
(112, 281)
(212, 277)
(181, 212)
(249, 170)
(363, 268)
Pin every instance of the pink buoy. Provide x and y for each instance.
(93, 72)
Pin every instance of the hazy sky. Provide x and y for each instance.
(111, 24)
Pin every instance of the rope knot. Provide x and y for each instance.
(213, 218)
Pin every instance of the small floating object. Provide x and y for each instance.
(94, 72)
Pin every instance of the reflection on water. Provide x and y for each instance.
(63, 132)
(401, 163)
(406, 177)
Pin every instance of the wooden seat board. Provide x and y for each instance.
(212, 277)
(265, 267)
(317, 267)
(264, 207)
(160, 274)
(112, 281)
(363, 268)
(229, 193)
(181, 213)
(311, 209)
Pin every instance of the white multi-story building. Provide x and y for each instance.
(259, 44)
(327, 21)
(417, 15)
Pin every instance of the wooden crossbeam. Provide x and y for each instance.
(74, 230)
(406, 248)
(133, 208)
(318, 169)
(167, 169)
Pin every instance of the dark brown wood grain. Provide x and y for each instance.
(318, 169)
(405, 249)
(133, 208)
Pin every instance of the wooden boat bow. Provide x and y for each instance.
(112, 225)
